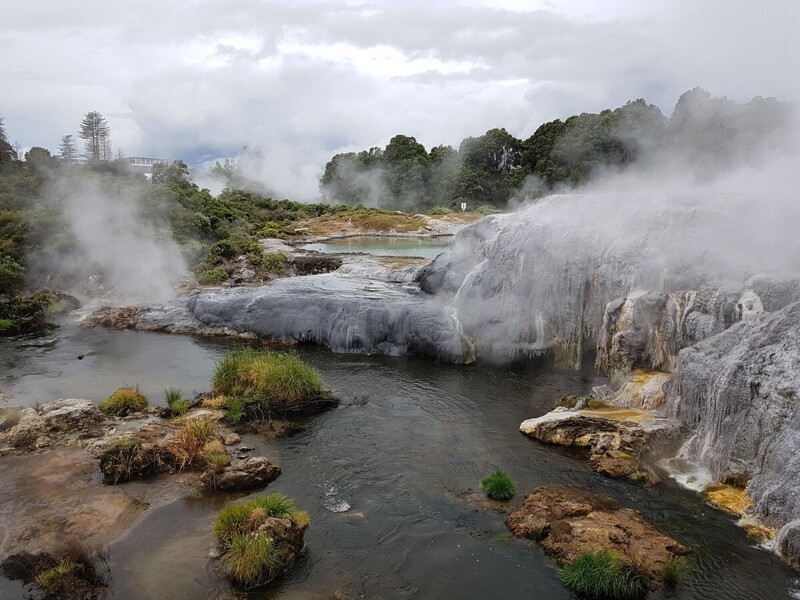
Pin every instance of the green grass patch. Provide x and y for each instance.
(270, 379)
(675, 571)
(176, 403)
(238, 519)
(124, 401)
(251, 561)
(499, 486)
(604, 575)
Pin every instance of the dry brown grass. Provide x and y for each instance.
(362, 224)
(187, 445)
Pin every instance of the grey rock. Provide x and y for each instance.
(246, 474)
(739, 393)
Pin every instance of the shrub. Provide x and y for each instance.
(251, 560)
(176, 403)
(273, 229)
(438, 211)
(485, 209)
(213, 276)
(604, 575)
(125, 400)
(271, 378)
(674, 571)
(273, 262)
(124, 459)
(499, 486)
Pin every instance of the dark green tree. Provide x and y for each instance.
(96, 135)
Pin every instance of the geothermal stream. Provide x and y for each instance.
(381, 477)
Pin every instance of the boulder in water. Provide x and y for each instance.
(569, 521)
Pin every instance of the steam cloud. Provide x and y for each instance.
(113, 235)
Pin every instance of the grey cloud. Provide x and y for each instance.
(141, 65)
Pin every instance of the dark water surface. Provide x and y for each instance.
(409, 436)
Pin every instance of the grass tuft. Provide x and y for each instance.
(235, 519)
(604, 575)
(177, 404)
(271, 379)
(674, 571)
(251, 560)
(499, 486)
(186, 445)
(124, 459)
(124, 401)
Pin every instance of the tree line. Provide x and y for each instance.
(704, 134)
(93, 129)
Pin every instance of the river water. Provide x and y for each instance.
(408, 438)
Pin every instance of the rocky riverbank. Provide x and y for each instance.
(55, 458)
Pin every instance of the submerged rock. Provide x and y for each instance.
(569, 521)
(243, 475)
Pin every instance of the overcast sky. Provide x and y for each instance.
(199, 79)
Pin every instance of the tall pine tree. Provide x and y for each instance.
(96, 136)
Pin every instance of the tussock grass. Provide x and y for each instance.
(249, 556)
(236, 519)
(124, 459)
(272, 379)
(674, 571)
(251, 561)
(176, 403)
(216, 402)
(604, 575)
(499, 486)
(186, 446)
(215, 456)
(123, 401)
(77, 574)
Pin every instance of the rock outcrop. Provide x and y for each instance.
(739, 394)
(64, 418)
(569, 521)
(243, 475)
(619, 439)
(347, 314)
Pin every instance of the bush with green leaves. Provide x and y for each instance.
(499, 486)
(604, 575)
(213, 276)
(438, 211)
(486, 209)
(272, 262)
(124, 401)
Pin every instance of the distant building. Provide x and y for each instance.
(144, 164)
